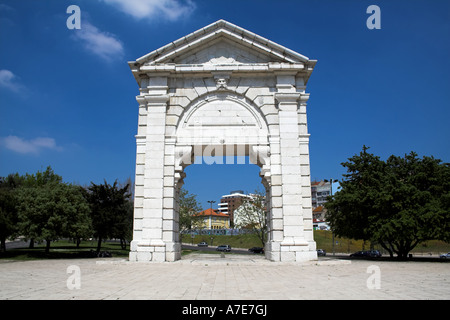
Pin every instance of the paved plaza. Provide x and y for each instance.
(233, 277)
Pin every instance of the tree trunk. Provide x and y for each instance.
(123, 244)
(388, 248)
(31, 246)
(99, 244)
(402, 251)
(402, 255)
(391, 254)
(3, 245)
(47, 246)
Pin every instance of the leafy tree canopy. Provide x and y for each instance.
(110, 210)
(397, 203)
(49, 209)
(188, 208)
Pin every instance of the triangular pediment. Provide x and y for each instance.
(221, 43)
(223, 50)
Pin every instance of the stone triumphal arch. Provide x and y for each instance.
(222, 90)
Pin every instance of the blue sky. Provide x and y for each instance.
(67, 97)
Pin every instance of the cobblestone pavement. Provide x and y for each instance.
(233, 277)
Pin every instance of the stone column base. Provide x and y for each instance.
(291, 252)
(173, 251)
(154, 251)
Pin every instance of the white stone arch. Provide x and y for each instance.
(262, 87)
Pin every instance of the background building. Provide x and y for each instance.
(214, 219)
(230, 202)
(320, 190)
(319, 218)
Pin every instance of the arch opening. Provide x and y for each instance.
(220, 128)
(236, 178)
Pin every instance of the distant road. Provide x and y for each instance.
(213, 248)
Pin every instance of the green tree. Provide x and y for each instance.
(413, 204)
(188, 209)
(123, 228)
(109, 210)
(80, 224)
(41, 178)
(8, 210)
(49, 209)
(397, 203)
(351, 207)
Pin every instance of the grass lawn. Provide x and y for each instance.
(245, 241)
(63, 249)
(324, 241)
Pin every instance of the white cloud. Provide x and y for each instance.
(140, 9)
(8, 80)
(102, 44)
(33, 146)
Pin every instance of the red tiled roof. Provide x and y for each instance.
(318, 209)
(212, 212)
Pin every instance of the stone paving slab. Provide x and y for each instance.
(231, 278)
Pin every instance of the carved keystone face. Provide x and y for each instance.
(221, 83)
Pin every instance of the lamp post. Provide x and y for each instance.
(331, 194)
(210, 217)
(211, 202)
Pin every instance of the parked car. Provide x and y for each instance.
(321, 252)
(224, 247)
(256, 250)
(374, 253)
(366, 254)
(202, 244)
(445, 256)
(360, 254)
